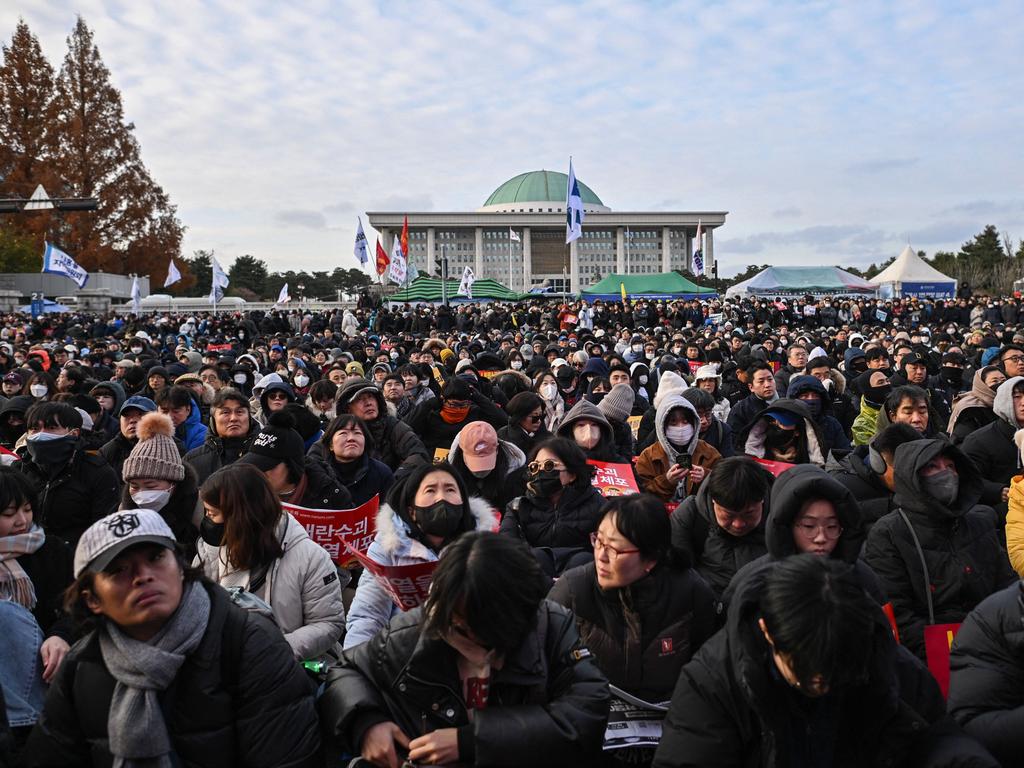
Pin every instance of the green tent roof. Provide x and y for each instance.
(429, 289)
(547, 186)
(663, 284)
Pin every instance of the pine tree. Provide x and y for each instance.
(135, 228)
(248, 273)
(985, 251)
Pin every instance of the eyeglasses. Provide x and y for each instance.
(832, 531)
(1015, 359)
(545, 466)
(598, 543)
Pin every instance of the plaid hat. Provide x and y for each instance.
(156, 454)
(479, 445)
(276, 443)
(139, 403)
(111, 535)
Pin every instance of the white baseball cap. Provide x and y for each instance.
(111, 535)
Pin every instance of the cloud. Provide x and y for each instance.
(882, 165)
(986, 208)
(787, 213)
(411, 203)
(300, 218)
(841, 237)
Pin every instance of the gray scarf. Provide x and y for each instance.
(135, 724)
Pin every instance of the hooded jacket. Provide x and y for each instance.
(744, 414)
(964, 558)
(832, 434)
(394, 544)
(108, 422)
(669, 383)
(656, 460)
(865, 426)
(605, 448)
(873, 496)
(394, 442)
(972, 410)
(810, 448)
(18, 404)
(991, 447)
(192, 431)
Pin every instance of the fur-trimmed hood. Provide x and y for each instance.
(393, 533)
(756, 436)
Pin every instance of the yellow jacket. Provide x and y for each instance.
(1015, 525)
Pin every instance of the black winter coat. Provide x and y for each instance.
(517, 436)
(321, 489)
(965, 561)
(239, 699)
(49, 569)
(742, 416)
(568, 525)
(435, 432)
(548, 704)
(85, 490)
(217, 452)
(730, 707)
(987, 674)
(992, 449)
(871, 493)
(643, 634)
(364, 480)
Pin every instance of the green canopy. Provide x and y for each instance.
(425, 288)
(666, 285)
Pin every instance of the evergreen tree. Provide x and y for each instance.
(985, 251)
(248, 273)
(201, 268)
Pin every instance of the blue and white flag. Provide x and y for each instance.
(220, 281)
(56, 262)
(397, 270)
(283, 297)
(573, 208)
(173, 275)
(136, 296)
(466, 286)
(413, 272)
(361, 250)
(698, 252)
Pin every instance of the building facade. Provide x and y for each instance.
(531, 207)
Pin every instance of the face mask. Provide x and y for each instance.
(544, 484)
(549, 391)
(677, 351)
(943, 486)
(643, 380)
(155, 500)
(454, 415)
(301, 381)
(394, 355)
(814, 406)
(827, 384)
(439, 519)
(481, 473)
(878, 394)
(777, 438)
(638, 348)
(517, 364)
(136, 350)
(52, 450)
(239, 378)
(210, 532)
(679, 435)
(587, 435)
(38, 390)
(952, 375)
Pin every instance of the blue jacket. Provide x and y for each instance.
(192, 432)
(832, 432)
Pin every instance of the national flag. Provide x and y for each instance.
(283, 297)
(360, 248)
(136, 296)
(514, 236)
(698, 252)
(398, 270)
(382, 259)
(219, 280)
(466, 286)
(405, 237)
(173, 275)
(56, 262)
(573, 208)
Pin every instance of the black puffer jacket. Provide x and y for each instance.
(567, 525)
(716, 554)
(217, 452)
(731, 709)
(987, 674)
(992, 449)
(867, 488)
(364, 478)
(548, 704)
(238, 699)
(394, 441)
(965, 561)
(643, 634)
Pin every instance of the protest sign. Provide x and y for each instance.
(633, 722)
(775, 467)
(938, 639)
(613, 479)
(634, 424)
(694, 365)
(441, 454)
(331, 528)
(408, 585)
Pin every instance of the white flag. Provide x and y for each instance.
(514, 236)
(283, 297)
(56, 262)
(466, 286)
(573, 208)
(360, 250)
(136, 296)
(413, 272)
(397, 271)
(220, 281)
(173, 275)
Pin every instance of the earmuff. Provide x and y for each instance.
(875, 461)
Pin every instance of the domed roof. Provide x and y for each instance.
(539, 186)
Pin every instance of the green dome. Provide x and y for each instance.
(539, 186)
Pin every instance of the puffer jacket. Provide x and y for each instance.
(643, 634)
(1015, 525)
(394, 544)
(992, 448)
(716, 554)
(730, 708)
(217, 452)
(971, 410)
(505, 482)
(655, 461)
(832, 434)
(548, 704)
(394, 442)
(810, 444)
(986, 667)
(301, 588)
(49, 570)
(364, 479)
(866, 423)
(872, 495)
(192, 431)
(743, 414)
(320, 489)
(567, 525)
(965, 560)
(238, 699)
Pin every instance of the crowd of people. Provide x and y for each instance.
(822, 483)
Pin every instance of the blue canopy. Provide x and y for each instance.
(48, 306)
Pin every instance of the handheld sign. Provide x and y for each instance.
(775, 467)
(938, 639)
(333, 528)
(613, 479)
(408, 585)
(634, 425)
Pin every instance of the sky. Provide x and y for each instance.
(832, 132)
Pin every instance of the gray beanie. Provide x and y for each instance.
(617, 405)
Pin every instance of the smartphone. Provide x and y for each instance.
(685, 461)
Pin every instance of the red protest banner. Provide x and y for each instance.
(613, 479)
(938, 639)
(694, 365)
(218, 347)
(408, 585)
(330, 528)
(775, 467)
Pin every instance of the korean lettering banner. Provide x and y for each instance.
(408, 585)
(331, 528)
(613, 479)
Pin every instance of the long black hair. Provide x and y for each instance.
(403, 496)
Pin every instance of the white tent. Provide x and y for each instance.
(910, 275)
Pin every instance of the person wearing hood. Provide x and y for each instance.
(568, 385)
(275, 396)
(973, 410)
(75, 487)
(202, 393)
(806, 672)
(874, 388)
(177, 402)
(525, 428)
(110, 395)
(786, 432)
(12, 420)
(430, 508)
(709, 379)
(593, 368)
(394, 441)
(814, 395)
(671, 382)
(589, 429)
(156, 380)
(991, 447)
(937, 555)
(230, 431)
(255, 401)
(491, 469)
(761, 382)
(675, 466)
(617, 405)
(439, 420)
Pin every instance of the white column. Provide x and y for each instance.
(574, 267)
(620, 250)
(666, 249)
(709, 257)
(688, 245)
(527, 261)
(432, 264)
(478, 270)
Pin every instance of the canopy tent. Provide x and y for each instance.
(48, 306)
(798, 281)
(910, 275)
(666, 285)
(428, 290)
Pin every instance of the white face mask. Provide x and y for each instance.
(239, 378)
(679, 435)
(642, 380)
(301, 381)
(38, 390)
(155, 500)
(517, 364)
(549, 391)
(136, 350)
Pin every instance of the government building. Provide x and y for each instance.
(532, 207)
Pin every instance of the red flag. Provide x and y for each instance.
(382, 259)
(405, 238)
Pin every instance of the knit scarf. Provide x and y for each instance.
(15, 585)
(135, 724)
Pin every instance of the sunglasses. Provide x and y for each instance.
(545, 466)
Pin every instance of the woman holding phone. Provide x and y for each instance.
(674, 467)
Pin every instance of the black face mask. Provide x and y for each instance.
(52, 453)
(441, 518)
(210, 532)
(952, 375)
(544, 484)
(878, 394)
(779, 439)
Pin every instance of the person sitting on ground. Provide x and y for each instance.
(491, 469)
(587, 426)
(525, 428)
(345, 448)
(439, 420)
(712, 431)
(394, 442)
(177, 403)
(761, 383)
(231, 429)
(973, 410)
(786, 432)
(813, 394)
(676, 465)
(874, 388)
(708, 379)
(991, 447)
